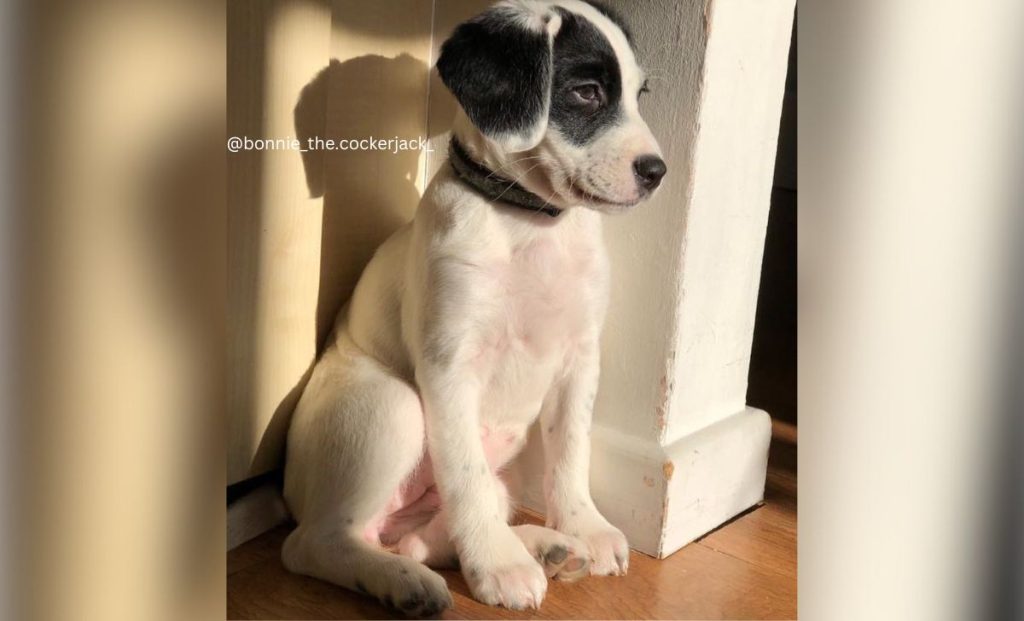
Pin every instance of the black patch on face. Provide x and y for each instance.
(498, 71)
(583, 56)
(614, 16)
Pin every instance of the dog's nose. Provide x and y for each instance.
(649, 170)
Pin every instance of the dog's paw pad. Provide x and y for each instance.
(563, 557)
(555, 555)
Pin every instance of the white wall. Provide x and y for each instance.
(273, 224)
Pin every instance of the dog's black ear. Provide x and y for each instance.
(499, 67)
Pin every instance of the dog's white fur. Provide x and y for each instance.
(468, 324)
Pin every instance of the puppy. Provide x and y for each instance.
(476, 319)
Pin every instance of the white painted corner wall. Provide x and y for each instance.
(676, 451)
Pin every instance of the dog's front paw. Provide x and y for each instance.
(512, 578)
(517, 586)
(609, 550)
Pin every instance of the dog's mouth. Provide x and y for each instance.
(597, 200)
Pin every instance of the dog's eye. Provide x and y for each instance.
(587, 94)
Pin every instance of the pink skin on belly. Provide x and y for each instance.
(417, 499)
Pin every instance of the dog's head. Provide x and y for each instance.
(550, 92)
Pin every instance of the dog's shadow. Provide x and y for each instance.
(366, 194)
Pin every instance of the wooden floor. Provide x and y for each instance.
(744, 570)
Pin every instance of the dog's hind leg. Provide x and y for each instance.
(430, 544)
(346, 560)
(357, 433)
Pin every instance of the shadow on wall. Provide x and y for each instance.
(367, 195)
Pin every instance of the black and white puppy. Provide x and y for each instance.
(475, 319)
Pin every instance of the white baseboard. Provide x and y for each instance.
(663, 497)
(254, 514)
(719, 473)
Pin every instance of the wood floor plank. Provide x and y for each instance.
(739, 579)
(255, 552)
(696, 582)
(746, 569)
(764, 538)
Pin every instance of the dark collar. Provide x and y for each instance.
(484, 181)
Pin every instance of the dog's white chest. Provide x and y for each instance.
(544, 307)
